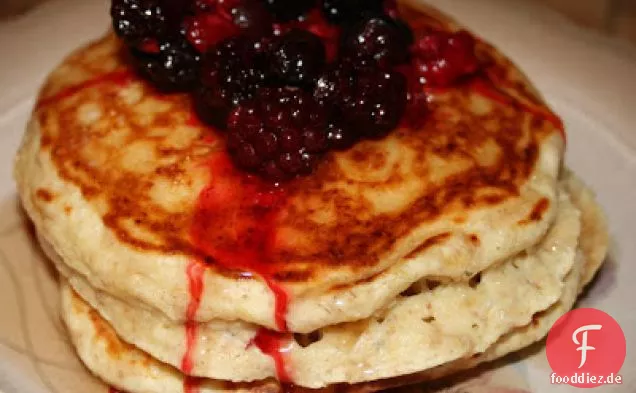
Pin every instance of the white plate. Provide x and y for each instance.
(590, 80)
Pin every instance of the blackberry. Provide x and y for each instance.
(349, 11)
(174, 67)
(251, 17)
(279, 134)
(380, 38)
(287, 10)
(298, 57)
(336, 83)
(136, 20)
(230, 74)
(340, 137)
(362, 101)
(377, 102)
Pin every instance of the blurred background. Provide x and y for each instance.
(613, 17)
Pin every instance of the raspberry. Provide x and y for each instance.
(443, 58)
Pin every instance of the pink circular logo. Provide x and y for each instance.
(586, 348)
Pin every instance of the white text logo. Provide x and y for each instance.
(583, 344)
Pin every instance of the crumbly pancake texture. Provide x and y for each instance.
(136, 197)
(449, 322)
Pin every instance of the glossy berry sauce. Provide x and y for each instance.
(194, 275)
(272, 344)
(190, 385)
(259, 205)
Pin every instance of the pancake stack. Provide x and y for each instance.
(400, 260)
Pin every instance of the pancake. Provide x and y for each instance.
(138, 199)
(126, 367)
(593, 247)
(594, 231)
(449, 322)
(129, 368)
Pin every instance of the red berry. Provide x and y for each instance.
(208, 29)
(442, 58)
(217, 20)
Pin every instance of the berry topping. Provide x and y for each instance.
(376, 103)
(298, 57)
(207, 29)
(368, 101)
(251, 17)
(339, 137)
(279, 133)
(174, 67)
(380, 38)
(442, 58)
(136, 20)
(230, 74)
(287, 10)
(349, 11)
(291, 79)
(334, 84)
(217, 20)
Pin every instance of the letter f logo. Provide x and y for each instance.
(583, 344)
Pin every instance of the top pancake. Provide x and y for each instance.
(137, 196)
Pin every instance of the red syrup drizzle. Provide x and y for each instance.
(190, 385)
(119, 77)
(271, 344)
(243, 209)
(255, 206)
(194, 274)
